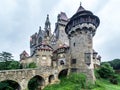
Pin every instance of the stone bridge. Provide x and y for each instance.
(46, 76)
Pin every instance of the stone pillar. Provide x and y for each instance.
(46, 81)
(24, 84)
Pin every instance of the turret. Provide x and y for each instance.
(47, 27)
(80, 30)
(62, 21)
(84, 20)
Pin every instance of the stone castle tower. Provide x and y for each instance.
(61, 36)
(80, 30)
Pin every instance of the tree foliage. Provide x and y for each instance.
(14, 65)
(114, 63)
(9, 85)
(106, 70)
(7, 62)
(32, 65)
(6, 56)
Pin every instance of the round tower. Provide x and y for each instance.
(80, 30)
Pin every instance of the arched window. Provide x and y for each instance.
(40, 40)
(62, 62)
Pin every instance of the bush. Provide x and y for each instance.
(96, 72)
(106, 71)
(32, 65)
(114, 79)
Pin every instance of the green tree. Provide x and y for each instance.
(32, 65)
(7, 62)
(9, 85)
(6, 56)
(14, 65)
(115, 64)
(106, 70)
(2, 66)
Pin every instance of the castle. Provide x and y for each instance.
(70, 45)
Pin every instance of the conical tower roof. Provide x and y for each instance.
(80, 9)
(82, 16)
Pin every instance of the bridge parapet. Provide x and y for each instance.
(23, 76)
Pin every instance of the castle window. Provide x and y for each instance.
(62, 62)
(88, 58)
(74, 70)
(74, 44)
(40, 40)
(44, 57)
(73, 61)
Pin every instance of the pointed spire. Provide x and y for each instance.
(40, 30)
(47, 18)
(47, 26)
(47, 22)
(80, 8)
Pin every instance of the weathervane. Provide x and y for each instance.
(80, 3)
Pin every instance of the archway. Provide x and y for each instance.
(36, 83)
(63, 73)
(51, 78)
(9, 85)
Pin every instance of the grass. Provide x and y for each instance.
(72, 84)
(63, 85)
(105, 85)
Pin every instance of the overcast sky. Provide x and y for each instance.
(19, 19)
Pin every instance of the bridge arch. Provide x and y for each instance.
(36, 82)
(51, 78)
(9, 85)
(62, 73)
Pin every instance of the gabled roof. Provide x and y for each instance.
(63, 16)
(44, 46)
(63, 46)
(24, 53)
